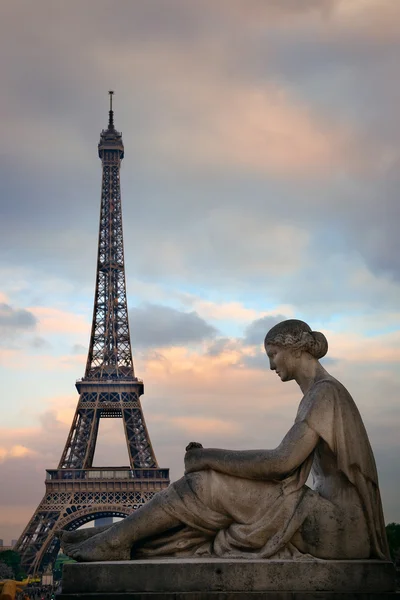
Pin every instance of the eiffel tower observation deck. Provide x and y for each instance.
(77, 492)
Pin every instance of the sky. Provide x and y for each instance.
(260, 182)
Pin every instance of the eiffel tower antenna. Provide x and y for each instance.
(111, 112)
(77, 492)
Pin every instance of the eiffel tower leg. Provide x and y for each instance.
(79, 449)
(92, 438)
(140, 450)
(37, 539)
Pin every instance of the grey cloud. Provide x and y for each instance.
(14, 323)
(154, 325)
(16, 318)
(78, 349)
(258, 361)
(54, 209)
(219, 346)
(329, 361)
(46, 442)
(257, 330)
(38, 343)
(191, 219)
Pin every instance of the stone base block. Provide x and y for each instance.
(200, 579)
(233, 596)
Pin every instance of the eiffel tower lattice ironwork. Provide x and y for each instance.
(77, 492)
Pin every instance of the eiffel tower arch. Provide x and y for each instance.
(77, 492)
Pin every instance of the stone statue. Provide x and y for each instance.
(255, 503)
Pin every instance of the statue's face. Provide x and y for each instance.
(282, 360)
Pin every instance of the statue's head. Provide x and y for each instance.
(287, 341)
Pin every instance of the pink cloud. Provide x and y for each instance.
(9, 356)
(234, 311)
(220, 384)
(377, 20)
(353, 347)
(260, 129)
(230, 123)
(18, 359)
(54, 320)
(15, 451)
(202, 425)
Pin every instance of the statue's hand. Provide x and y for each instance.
(194, 458)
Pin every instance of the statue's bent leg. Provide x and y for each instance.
(116, 542)
(330, 532)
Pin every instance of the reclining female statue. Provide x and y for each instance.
(255, 503)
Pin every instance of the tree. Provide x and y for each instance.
(13, 560)
(58, 565)
(393, 535)
(6, 572)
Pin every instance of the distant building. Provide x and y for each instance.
(1, 543)
(103, 521)
(13, 542)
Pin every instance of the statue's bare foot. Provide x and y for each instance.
(100, 547)
(76, 537)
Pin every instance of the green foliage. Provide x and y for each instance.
(393, 535)
(13, 560)
(6, 572)
(58, 565)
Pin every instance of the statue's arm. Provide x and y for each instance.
(295, 447)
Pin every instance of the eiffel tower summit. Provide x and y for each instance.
(77, 492)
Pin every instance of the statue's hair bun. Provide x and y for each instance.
(319, 345)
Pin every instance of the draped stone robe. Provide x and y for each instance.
(340, 518)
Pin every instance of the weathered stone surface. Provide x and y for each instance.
(171, 577)
(232, 596)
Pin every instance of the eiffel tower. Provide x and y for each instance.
(77, 492)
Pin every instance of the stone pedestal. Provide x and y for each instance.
(200, 579)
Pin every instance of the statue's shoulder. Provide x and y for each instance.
(327, 386)
(321, 389)
(321, 397)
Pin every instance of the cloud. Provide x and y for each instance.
(240, 119)
(219, 310)
(16, 319)
(14, 322)
(204, 426)
(221, 346)
(78, 349)
(256, 331)
(257, 361)
(258, 129)
(39, 343)
(382, 349)
(53, 320)
(155, 325)
(16, 451)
